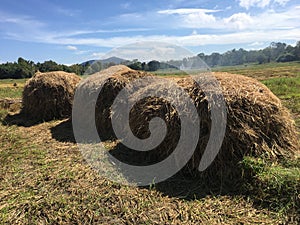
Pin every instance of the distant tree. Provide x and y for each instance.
(277, 49)
(48, 66)
(215, 59)
(287, 57)
(153, 65)
(77, 69)
(24, 69)
(145, 66)
(297, 50)
(262, 59)
(136, 65)
(94, 68)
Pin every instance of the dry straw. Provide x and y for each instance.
(48, 96)
(106, 84)
(257, 123)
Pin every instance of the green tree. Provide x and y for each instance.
(25, 69)
(48, 66)
(286, 57)
(153, 65)
(136, 66)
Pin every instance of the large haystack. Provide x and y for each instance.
(257, 123)
(49, 95)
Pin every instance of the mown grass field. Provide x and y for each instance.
(264, 71)
(45, 180)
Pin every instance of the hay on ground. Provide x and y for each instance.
(257, 123)
(48, 96)
(11, 104)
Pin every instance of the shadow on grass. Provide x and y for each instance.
(19, 119)
(183, 185)
(63, 132)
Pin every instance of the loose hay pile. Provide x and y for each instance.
(49, 95)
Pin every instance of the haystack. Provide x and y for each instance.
(257, 123)
(49, 95)
(106, 84)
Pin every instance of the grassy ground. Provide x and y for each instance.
(288, 90)
(10, 88)
(45, 180)
(264, 71)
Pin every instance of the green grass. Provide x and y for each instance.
(288, 90)
(12, 81)
(11, 88)
(276, 185)
(284, 87)
(11, 92)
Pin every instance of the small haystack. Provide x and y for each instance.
(257, 123)
(49, 95)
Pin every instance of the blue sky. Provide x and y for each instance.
(75, 31)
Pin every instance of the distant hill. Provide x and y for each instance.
(113, 59)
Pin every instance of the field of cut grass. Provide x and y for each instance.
(45, 180)
(264, 71)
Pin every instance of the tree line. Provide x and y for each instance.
(275, 52)
(26, 68)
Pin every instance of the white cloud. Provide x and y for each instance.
(256, 43)
(20, 21)
(184, 11)
(260, 3)
(194, 32)
(98, 54)
(199, 19)
(239, 21)
(257, 3)
(149, 50)
(72, 48)
(267, 20)
(192, 18)
(243, 37)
